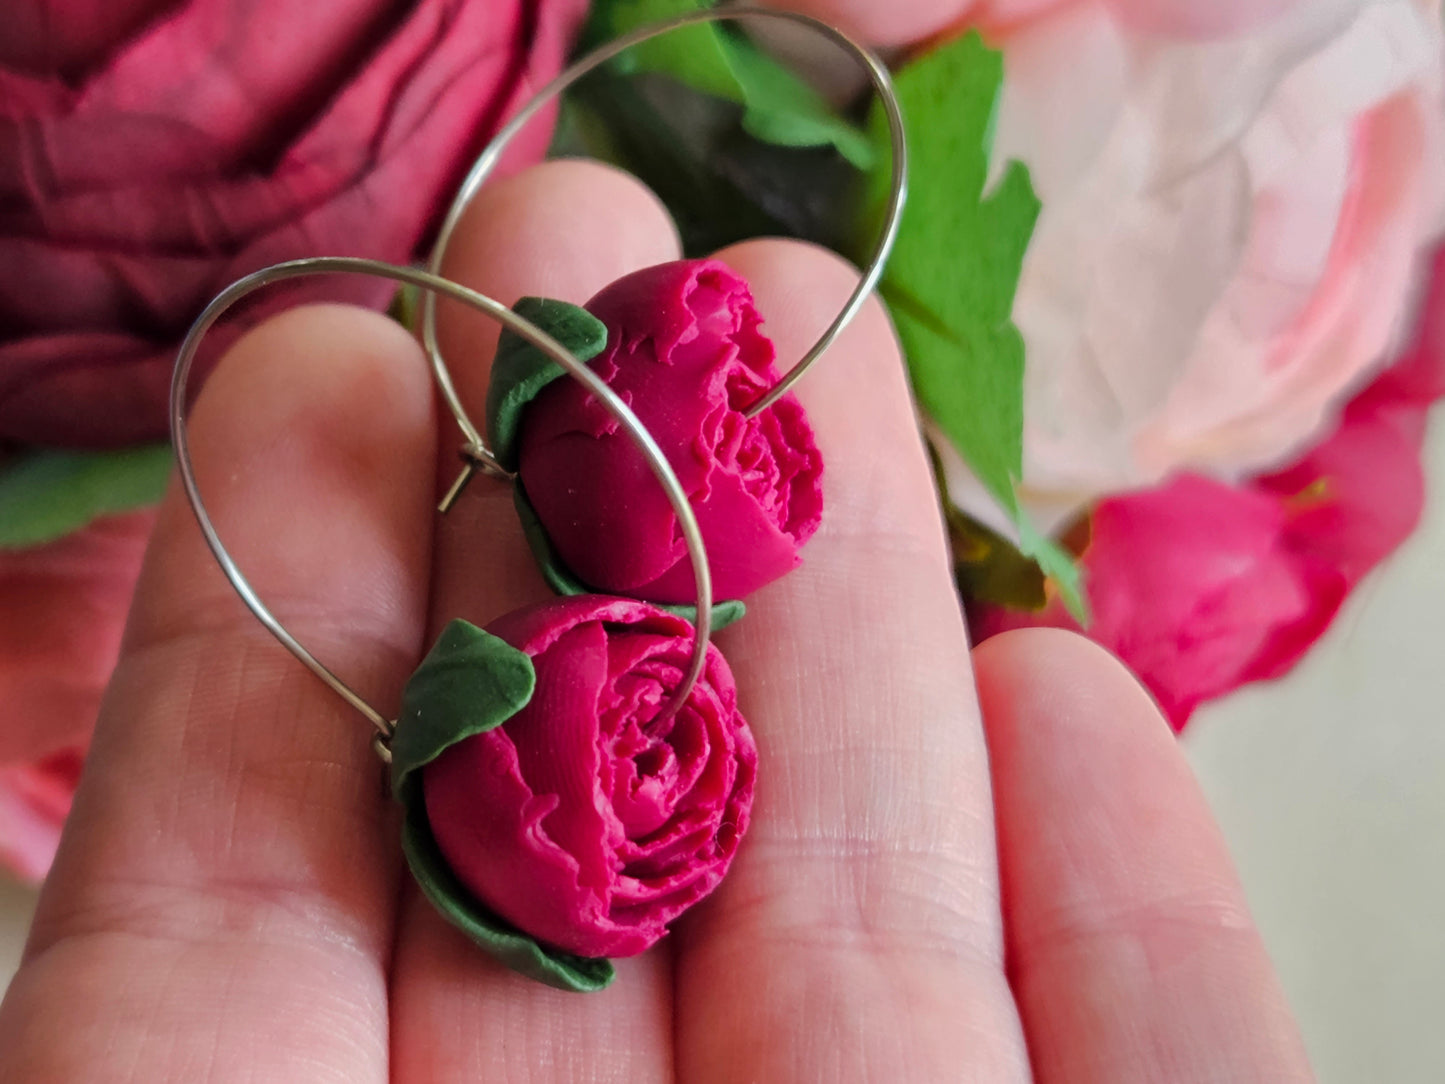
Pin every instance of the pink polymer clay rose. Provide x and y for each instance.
(1234, 209)
(585, 820)
(153, 151)
(1201, 586)
(684, 351)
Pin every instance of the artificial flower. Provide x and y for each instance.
(1231, 224)
(589, 819)
(1202, 586)
(152, 153)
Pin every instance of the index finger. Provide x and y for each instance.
(226, 875)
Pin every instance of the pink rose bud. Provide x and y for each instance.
(584, 820)
(684, 350)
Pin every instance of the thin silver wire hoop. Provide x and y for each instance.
(433, 284)
(491, 155)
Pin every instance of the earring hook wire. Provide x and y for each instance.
(433, 284)
(477, 454)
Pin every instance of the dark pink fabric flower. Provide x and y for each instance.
(684, 351)
(582, 820)
(62, 610)
(152, 152)
(1202, 587)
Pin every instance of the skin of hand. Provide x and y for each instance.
(985, 869)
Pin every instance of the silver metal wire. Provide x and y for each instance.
(433, 284)
(477, 452)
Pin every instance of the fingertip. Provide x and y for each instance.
(1130, 945)
(1068, 680)
(351, 374)
(604, 212)
(312, 443)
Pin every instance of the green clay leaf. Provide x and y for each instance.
(46, 494)
(520, 371)
(560, 578)
(469, 683)
(717, 60)
(951, 280)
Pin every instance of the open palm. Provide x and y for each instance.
(929, 891)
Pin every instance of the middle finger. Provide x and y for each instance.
(562, 230)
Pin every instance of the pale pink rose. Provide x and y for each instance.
(1230, 226)
(64, 606)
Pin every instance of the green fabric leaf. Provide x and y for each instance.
(46, 494)
(560, 578)
(520, 371)
(469, 683)
(718, 60)
(695, 55)
(720, 184)
(783, 109)
(951, 280)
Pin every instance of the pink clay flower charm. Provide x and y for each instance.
(685, 351)
(584, 819)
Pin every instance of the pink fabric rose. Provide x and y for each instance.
(64, 607)
(1234, 198)
(151, 153)
(684, 351)
(581, 819)
(1201, 587)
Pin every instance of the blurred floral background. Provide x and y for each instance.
(1167, 284)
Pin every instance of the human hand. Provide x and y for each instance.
(928, 891)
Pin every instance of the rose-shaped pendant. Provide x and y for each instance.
(554, 810)
(680, 343)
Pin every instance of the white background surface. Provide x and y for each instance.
(1331, 788)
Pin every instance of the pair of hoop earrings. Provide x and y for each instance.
(577, 775)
